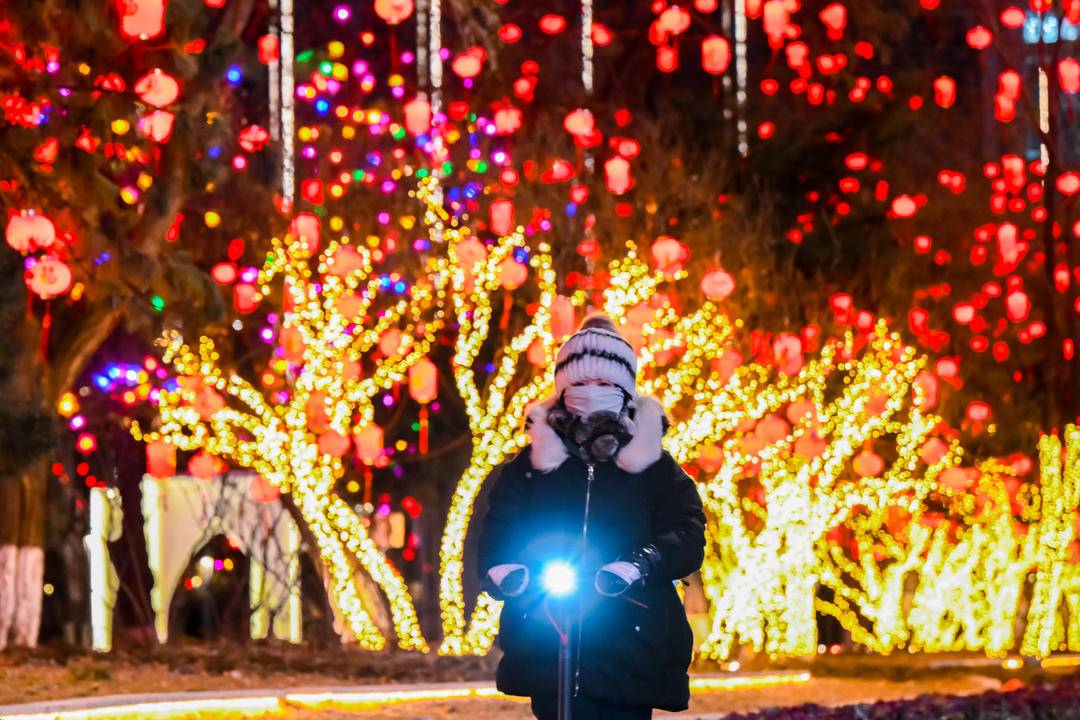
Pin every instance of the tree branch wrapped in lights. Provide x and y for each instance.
(816, 473)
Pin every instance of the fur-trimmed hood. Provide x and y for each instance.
(548, 451)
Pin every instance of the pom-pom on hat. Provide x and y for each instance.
(597, 352)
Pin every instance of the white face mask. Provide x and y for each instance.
(584, 400)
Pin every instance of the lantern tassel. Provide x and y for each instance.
(46, 324)
(367, 483)
(423, 429)
(508, 304)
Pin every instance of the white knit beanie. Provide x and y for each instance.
(596, 352)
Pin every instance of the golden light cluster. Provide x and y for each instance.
(817, 477)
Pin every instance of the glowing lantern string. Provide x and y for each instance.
(28, 231)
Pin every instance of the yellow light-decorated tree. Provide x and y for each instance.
(344, 339)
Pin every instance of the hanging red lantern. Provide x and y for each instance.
(394, 12)
(834, 17)
(208, 402)
(269, 49)
(305, 228)
(157, 88)
(507, 120)
(868, 464)
(418, 116)
(706, 6)
(955, 479)
(1009, 84)
(1008, 243)
(788, 353)
(205, 466)
(469, 63)
(512, 274)
(333, 443)
(669, 254)
(160, 459)
(423, 381)
(1069, 75)
(141, 19)
(157, 126)
(345, 260)
(552, 24)
(775, 18)
(979, 37)
(1017, 306)
(579, 123)
(253, 138)
(673, 20)
(667, 58)
(562, 317)
(715, 54)
(262, 490)
(501, 214)
(710, 458)
(717, 284)
(245, 297)
(945, 91)
(978, 411)
(368, 441)
(933, 450)
(617, 175)
(48, 277)
(29, 231)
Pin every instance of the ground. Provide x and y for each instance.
(57, 672)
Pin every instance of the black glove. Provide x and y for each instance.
(507, 579)
(634, 569)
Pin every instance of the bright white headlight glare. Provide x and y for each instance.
(559, 578)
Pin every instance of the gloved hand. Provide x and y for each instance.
(511, 579)
(616, 578)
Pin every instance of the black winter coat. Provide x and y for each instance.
(634, 649)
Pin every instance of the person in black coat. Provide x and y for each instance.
(595, 488)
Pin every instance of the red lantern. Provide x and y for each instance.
(48, 277)
(392, 342)
(669, 254)
(955, 479)
(933, 450)
(562, 317)
(1009, 83)
(28, 231)
(394, 11)
(253, 138)
(205, 466)
(1008, 243)
(945, 91)
(579, 123)
(268, 49)
(157, 88)
(717, 284)
(715, 54)
(979, 37)
(245, 297)
(501, 213)
(318, 419)
(333, 443)
(617, 175)
(418, 116)
(674, 20)
(469, 63)
(788, 353)
(507, 120)
(772, 428)
(710, 458)
(904, 206)
(141, 19)
(305, 227)
(157, 126)
(512, 274)
(262, 490)
(208, 402)
(978, 411)
(552, 24)
(667, 58)
(868, 464)
(160, 459)
(834, 16)
(775, 21)
(368, 441)
(1017, 306)
(1069, 75)
(810, 445)
(345, 260)
(423, 381)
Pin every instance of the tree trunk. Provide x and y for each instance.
(22, 555)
